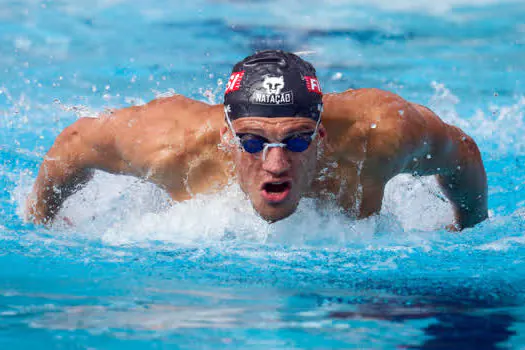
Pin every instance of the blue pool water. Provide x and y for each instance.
(138, 273)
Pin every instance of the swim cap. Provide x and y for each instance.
(273, 83)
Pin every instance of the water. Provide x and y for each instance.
(136, 272)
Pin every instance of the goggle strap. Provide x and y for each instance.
(320, 107)
(230, 125)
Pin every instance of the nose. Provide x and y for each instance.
(276, 162)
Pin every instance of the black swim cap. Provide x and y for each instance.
(272, 84)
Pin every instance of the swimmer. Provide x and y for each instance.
(279, 138)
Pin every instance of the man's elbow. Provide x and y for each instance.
(72, 136)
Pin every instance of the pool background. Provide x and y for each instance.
(136, 272)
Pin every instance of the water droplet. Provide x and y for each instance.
(401, 112)
(429, 156)
(337, 76)
(373, 125)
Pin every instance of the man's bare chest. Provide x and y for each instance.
(339, 182)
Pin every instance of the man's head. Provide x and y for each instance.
(273, 104)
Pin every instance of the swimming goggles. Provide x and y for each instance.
(252, 143)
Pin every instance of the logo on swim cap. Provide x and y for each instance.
(312, 84)
(234, 83)
(273, 85)
(270, 93)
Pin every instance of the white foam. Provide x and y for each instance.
(123, 210)
(498, 126)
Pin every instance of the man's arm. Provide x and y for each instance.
(465, 182)
(386, 135)
(80, 148)
(454, 158)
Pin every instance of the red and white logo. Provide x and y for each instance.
(312, 84)
(234, 83)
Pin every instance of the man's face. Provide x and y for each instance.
(275, 184)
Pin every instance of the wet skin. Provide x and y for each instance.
(366, 137)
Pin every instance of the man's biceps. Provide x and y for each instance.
(72, 157)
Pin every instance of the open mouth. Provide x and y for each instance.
(276, 192)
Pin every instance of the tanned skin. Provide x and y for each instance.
(367, 137)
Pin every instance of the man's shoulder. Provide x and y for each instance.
(365, 100)
(388, 123)
(371, 106)
(176, 100)
(160, 115)
(162, 105)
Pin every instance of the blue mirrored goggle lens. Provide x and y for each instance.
(254, 143)
(298, 143)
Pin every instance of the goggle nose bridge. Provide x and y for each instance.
(270, 145)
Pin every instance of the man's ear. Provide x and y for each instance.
(226, 136)
(321, 131)
(321, 138)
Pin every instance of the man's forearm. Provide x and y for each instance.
(54, 184)
(470, 208)
(66, 167)
(466, 188)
